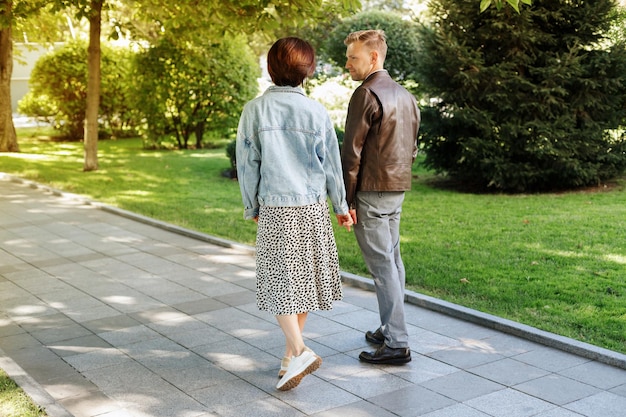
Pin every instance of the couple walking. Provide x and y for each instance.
(289, 164)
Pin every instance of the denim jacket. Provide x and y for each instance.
(287, 153)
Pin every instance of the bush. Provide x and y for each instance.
(59, 90)
(40, 107)
(231, 153)
(187, 89)
(118, 109)
(524, 102)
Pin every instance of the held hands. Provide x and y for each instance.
(353, 215)
(345, 220)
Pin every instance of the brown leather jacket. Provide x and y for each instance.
(380, 142)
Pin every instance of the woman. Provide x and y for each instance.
(288, 165)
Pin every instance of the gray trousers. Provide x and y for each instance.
(378, 234)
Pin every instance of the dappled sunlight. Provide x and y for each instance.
(173, 320)
(228, 259)
(142, 193)
(564, 254)
(406, 239)
(474, 345)
(208, 209)
(242, 332)
(72, 348)
(28, 310)
(205, 155)
(236, 362)
(620, 259)
(124, 239)
(22, 243)
(29, 156)
(610, 257)
(120, 299)
(246, 273)
(161, 316)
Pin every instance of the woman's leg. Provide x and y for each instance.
(303, 360)
(301, 322)
(290, 325)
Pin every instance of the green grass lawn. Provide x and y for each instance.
(553, 261)
(14, 402)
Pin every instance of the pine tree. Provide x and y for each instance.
(525, 101)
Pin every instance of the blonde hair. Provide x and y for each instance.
(373, 39)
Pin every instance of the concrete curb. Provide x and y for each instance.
(565, 344)
(533, 334)
(32, 388)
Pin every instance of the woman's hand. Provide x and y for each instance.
(345, 220)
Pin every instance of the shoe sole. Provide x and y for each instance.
(295, 381)
(395, 361)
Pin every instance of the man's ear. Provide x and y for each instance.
(374, 56)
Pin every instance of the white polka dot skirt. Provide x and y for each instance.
(297, 265)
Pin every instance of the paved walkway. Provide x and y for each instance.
(105, 313)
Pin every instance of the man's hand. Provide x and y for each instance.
(353, 215)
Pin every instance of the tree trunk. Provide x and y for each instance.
(199, 131)
(8, 137)
(93, 87)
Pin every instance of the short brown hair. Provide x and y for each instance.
(372, 38)
(290, 60)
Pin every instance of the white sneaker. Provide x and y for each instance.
(298, 368)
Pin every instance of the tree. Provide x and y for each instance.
(93, 86)
(8, 137)
(515, 4)
(217, 15)
(184, 17)
(220, 16)
(526, 101)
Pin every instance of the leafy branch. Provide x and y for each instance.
(515, 4)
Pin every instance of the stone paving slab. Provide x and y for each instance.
(107, 313)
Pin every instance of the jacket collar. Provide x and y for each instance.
(374, 73)
(284, 89)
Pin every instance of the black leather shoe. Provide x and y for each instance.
(376, 337)
(387, 356)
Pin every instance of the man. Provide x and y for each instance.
(379, 147)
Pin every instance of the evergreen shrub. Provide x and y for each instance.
(524, 102)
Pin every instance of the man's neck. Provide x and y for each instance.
(374, 72)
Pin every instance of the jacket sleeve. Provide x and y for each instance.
(248, 169)
(361, 108)
(332, 167)
(416, 120)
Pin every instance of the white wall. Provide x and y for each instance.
(24, 58)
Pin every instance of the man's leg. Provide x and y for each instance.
(377, 233)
